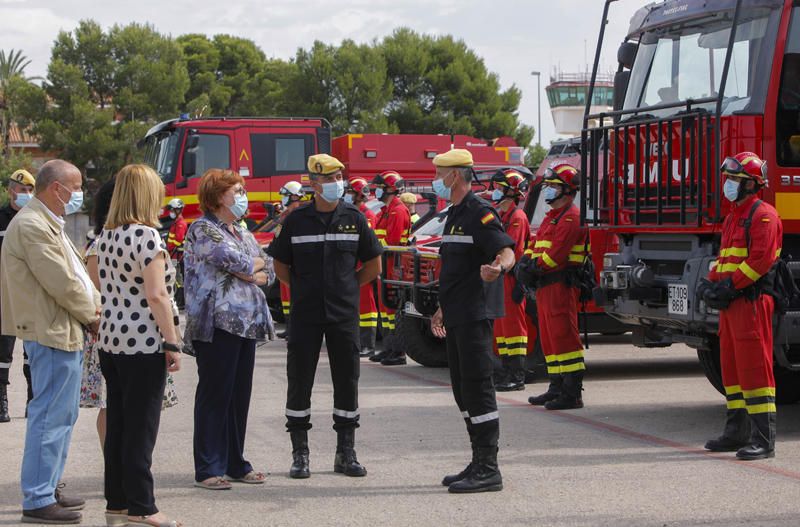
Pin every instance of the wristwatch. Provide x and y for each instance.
(166, 346)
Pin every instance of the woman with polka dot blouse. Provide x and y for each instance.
(138, 342)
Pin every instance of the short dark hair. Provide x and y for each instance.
(102, 204)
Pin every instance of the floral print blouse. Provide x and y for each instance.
(215, 296)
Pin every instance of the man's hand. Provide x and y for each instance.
(490, 273)
(437, 324)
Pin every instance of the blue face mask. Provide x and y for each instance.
(497, 195)
(441, 190)
(332, 191)
(239, 207)
(75, 202)
(550, 194)
(731, 189)
(22, 200)
(348, 198)
(378, 193)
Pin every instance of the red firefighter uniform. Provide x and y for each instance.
(368, 309)
(176, 236)
(560, 243)
(745, 327)
(392, 228)
(511, 331)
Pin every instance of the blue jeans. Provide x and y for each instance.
(56, 379)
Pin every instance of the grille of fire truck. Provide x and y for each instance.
(639, 169)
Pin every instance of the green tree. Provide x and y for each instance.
(206, 95)
(440, 85)
(12, 82)
(535, 155)
(347, 84)
(89, 48)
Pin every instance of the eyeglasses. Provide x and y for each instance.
(733, 167)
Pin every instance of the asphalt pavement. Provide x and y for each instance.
(632, 457)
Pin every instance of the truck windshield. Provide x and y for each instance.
(161, 154)
(685, 61)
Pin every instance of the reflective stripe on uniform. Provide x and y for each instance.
(543, 243)
(759, 392)
(5, 365)
(298, 413)
(761, 408)
(317, 238)
(368, 320)
(733, 251)
(456, 238)
(749, 272)
(549, 261)
(345, 413)
(465, 415)
(491, 416)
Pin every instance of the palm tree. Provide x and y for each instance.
(11, 65)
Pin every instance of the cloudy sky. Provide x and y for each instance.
(514, 37)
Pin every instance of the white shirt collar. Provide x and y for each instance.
(58, 219)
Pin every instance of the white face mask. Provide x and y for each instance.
(731, 189)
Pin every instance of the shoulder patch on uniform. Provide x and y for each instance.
(487, 218)
(765, 220)
(568, 219)
(515, 224)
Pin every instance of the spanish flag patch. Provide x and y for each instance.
(765, 220)
(486, 219)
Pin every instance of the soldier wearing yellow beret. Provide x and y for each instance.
(317, 255)
(475, 252)
(20, 191)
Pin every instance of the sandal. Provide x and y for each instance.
(145, 520)
(252, 478)
(214, 484)
(117, 518)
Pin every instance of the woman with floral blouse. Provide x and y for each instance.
(227, 314)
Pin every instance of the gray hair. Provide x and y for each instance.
(466, 173)
(53, 170)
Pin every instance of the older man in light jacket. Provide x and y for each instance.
(48, 301)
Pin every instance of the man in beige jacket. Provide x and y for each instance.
(48, 301)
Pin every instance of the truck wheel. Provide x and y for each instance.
(413, 336)
(709, 360)
(787, 385)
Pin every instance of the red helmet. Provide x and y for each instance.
(358, 185)
(746, 165)
(510, 179)
(390, 181)
(563, 173)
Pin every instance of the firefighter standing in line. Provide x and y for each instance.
(20, 191)
(560, 248)
(511, 331)
(292, 194)
(317, 252)
(409, 199)
(393, 228)
(357, 194)
(745, 319)
(175, 239)
(475, 252)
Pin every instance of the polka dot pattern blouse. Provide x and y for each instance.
(127, 326)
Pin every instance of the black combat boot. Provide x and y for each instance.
(736, 434)
(570, 397)
(516, 375)
(484, 475)
(452, 478)
(762, 438)
(4, 417)
(346, 462)
(395, 358)
(387, 350)
(552, 393)
(299, 468)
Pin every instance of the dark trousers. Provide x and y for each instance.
(134, 392)
(469, 350)
(7, 357)
(221, 404)
(305, 341)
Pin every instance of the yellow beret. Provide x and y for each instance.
(323, 164)
(23, 177)
(408, 197)
(458, 157)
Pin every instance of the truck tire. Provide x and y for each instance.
(787, 382)
(709, 360)
(413, 336)
(787, 385)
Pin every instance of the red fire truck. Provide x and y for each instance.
(697, 80)
(267, 152)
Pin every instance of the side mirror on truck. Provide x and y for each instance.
(189, 164)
